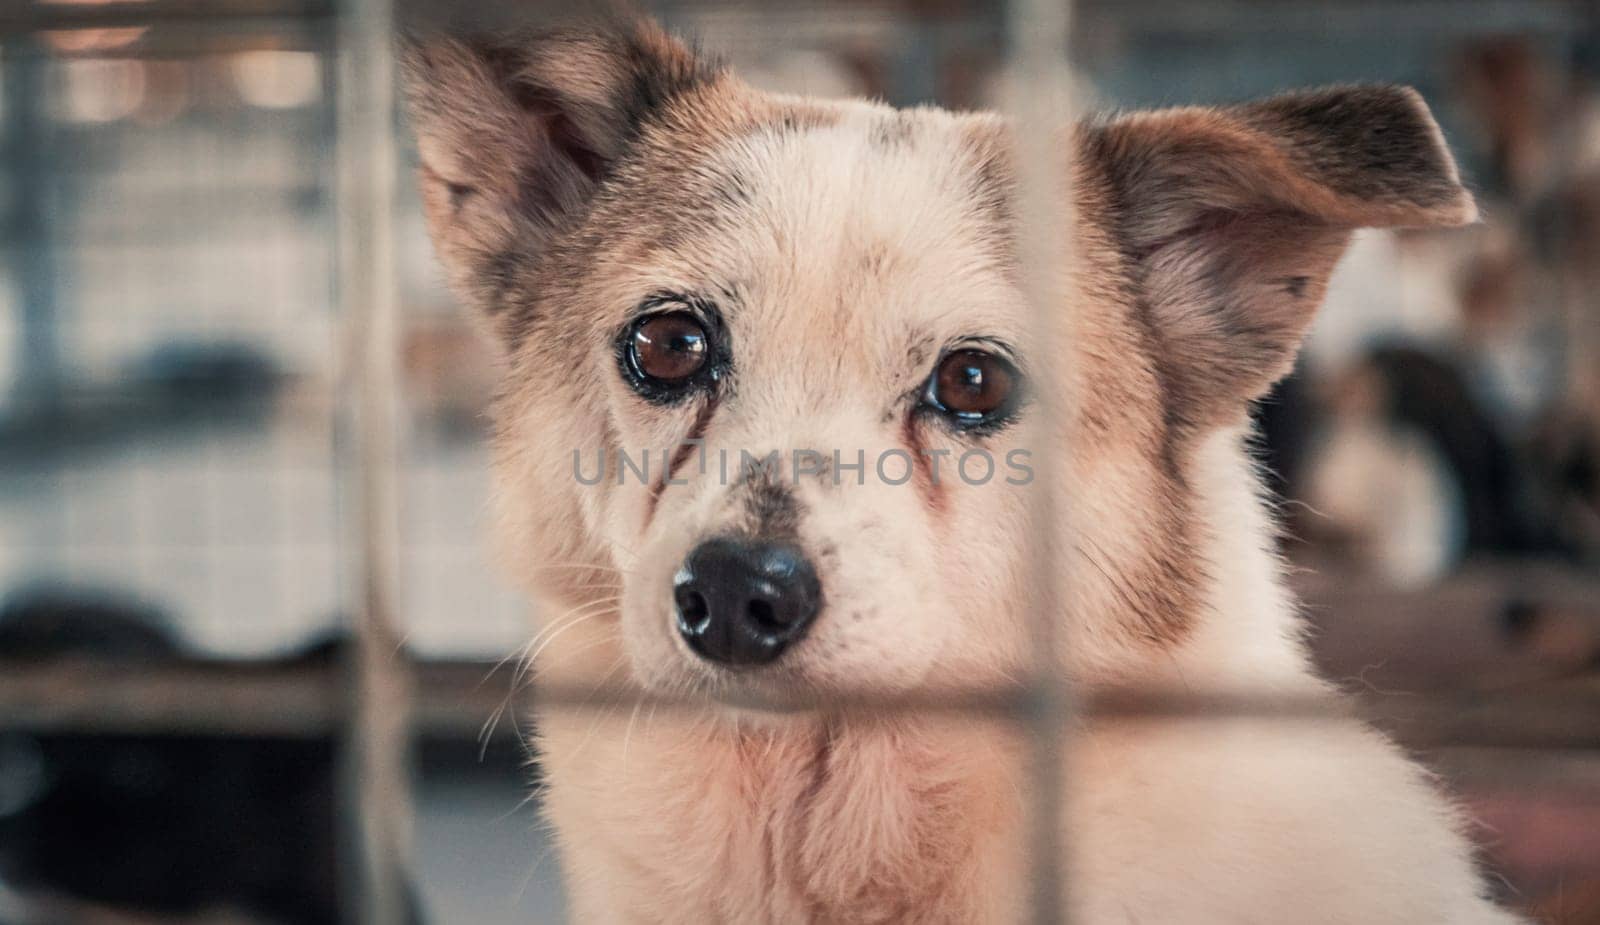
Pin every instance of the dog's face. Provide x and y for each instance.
(786, 342)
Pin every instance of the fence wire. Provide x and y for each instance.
(1041, 105)
(378, 724)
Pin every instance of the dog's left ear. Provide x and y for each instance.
(1232, 220)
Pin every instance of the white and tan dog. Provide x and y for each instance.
(667, 255)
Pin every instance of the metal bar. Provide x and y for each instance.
(1040, 106)
(1443, 21)
(376, 762)
(296, 699)
(460, 698)
(20, 16)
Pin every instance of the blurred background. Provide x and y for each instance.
(179, 534)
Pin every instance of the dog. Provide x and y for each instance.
(680, 270)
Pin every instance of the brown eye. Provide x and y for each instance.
(973, 387)
(668, 348)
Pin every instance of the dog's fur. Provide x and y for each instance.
(569, 177)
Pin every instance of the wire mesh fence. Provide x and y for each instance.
(240, 401)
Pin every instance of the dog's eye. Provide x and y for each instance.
(669, 348)
(972, 387)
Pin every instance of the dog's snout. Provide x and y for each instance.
(742, 601)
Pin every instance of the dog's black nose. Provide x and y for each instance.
(742, 601)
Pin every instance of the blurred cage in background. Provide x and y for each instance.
(182, 532)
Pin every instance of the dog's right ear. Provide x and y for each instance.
(1231, 221)
(516, 135)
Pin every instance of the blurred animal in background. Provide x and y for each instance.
(96, 825)
(1402, 469)
(1477, 433)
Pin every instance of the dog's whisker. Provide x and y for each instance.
(533, 658)
(521, 653)
(525, 666)
(555, 624)
(527, 669)
(586, 566)
(627, 735)
(487, 729)
(511, 695)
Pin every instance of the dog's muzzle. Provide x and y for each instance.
(743, 601)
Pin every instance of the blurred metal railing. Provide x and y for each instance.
(377, 733)
(1041, 98)
(452, 700)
